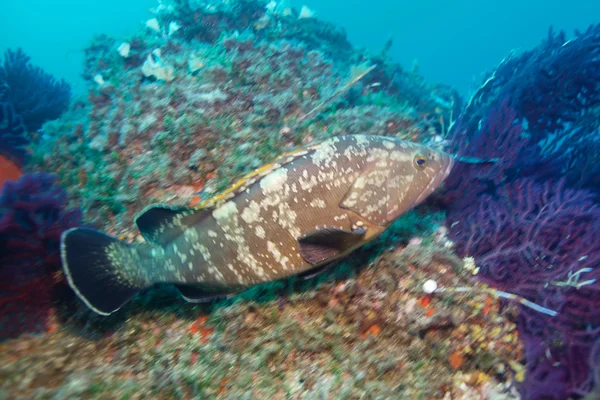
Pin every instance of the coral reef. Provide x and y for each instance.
(32, 218)
(35, 95)
(206, 22)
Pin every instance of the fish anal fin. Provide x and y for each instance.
(311, 273)
(160, 223)
(195, 294)
(327, 243)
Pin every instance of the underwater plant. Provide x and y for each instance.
(32, 218)
(35, 95)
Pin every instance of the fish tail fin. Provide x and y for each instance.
(104, 272)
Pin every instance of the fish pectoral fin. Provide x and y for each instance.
(328, 243)
(162, 223)
(194, 294)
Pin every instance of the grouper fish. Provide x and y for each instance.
(292, 217)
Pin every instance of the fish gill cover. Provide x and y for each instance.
(207, 91)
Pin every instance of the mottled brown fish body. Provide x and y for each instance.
(305, 210)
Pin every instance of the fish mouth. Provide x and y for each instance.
(439, 178)
(449, 166)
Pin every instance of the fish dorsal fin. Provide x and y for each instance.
(161, 223)
(368, 196)
(243, 183)
(327, 243)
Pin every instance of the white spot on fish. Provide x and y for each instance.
(325, 152)
(360, 182)
(361, 140)
(251, 213)
(282, 260)
(205, 252)
(190, 234)
(260, 232)
(400, 156)
(307, 185)
(225, 211)
(287, 219)
(274, 181)
(318, 203)
(236, 273)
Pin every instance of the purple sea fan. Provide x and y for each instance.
(499, 138)
(13, 141)
(32, 218)
(36, 95)
(540, 241)
(536, 231)
(554, 89)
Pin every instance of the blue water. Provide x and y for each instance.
(453, 41)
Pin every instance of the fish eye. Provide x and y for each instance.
(420, 162)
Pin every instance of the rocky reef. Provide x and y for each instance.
(204, 94)
(358, 332)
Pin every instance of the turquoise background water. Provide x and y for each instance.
(453, 41)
